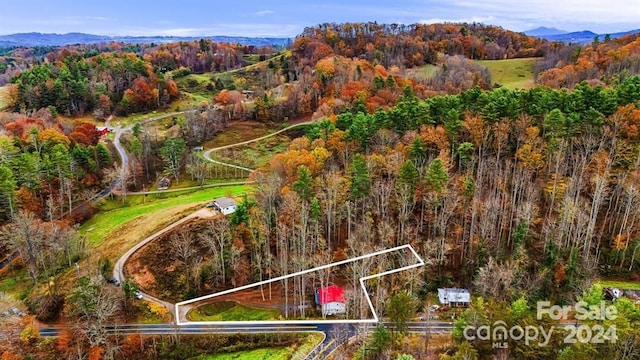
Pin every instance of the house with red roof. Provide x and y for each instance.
(332, 300)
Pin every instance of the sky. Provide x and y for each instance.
(285, 18)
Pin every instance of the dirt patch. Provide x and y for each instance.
(158, 270)
(141, 275)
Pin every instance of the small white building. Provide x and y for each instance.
(225, 205)
(331, 300)
(454, 297)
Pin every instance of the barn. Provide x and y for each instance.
(331, 299)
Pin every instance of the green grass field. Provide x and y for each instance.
(106, 222)
(285, 353)
(231, 311)
(620, 284)
(511, 73)
(257, 354)
(202, 84)
(255, 154)
(15, 283)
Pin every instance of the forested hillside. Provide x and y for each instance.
(73, 85)
(47, 168)
(535, 183)
(526, 195)
(418, 44)
(519, 195)
(608, 62)
(113, 78)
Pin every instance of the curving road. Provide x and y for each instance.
(118, 268)
(120, 130)
(207, 154)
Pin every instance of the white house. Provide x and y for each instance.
(454, 297)
(225, 205)
(331, 299)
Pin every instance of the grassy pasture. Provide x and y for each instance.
(423, 72)
(155, 207)
(257, 354)
(511, 73)
(231, 311)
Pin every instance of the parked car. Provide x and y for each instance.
(17, 311)
(113, 281)
(138, 295)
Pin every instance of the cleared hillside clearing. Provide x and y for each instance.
(511, 73)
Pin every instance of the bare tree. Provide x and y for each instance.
(495, 279)
(216, 238)
(26, 234)
(94, 304)
(198, 168)
(185, 251)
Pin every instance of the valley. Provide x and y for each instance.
(505, 163)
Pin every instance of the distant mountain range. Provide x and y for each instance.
(40, 39)
(544, 31)
(577, 37)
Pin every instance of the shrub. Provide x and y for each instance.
(182, 72)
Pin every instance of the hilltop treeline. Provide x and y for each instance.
(199, 56)
(202, 56)
(416, 44)
(109, 82)
(112, 77)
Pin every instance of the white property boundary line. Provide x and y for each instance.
(278, 322)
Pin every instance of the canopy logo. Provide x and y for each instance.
(500, 334)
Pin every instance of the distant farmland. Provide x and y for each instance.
(511, 73)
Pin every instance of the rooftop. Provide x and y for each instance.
(454, 290)
(331, 293)
(225, 202)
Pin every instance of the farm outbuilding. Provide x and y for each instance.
(225, 205)
(331, 299)
(454, 297)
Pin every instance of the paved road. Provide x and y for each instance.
(341, 334)
(150, 329)
(335, 335)
(157, 329)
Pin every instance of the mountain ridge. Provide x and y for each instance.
(52, 39)
(582, 37)
(544, 31)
